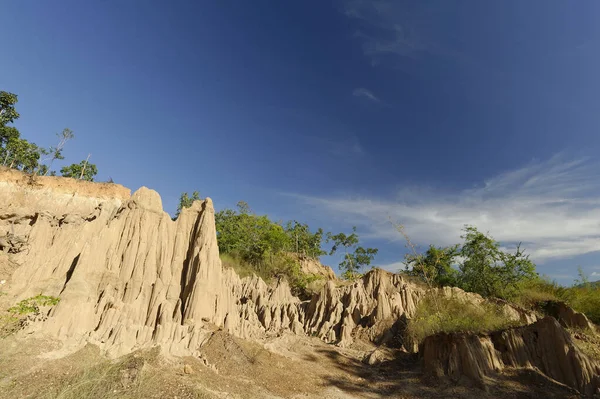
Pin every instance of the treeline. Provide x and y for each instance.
(19, 153)
(271, 248)
(480, 265)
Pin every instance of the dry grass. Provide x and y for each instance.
(587, 341)
(87, 374)
(534, 292)
(444, 314)
(583, 298)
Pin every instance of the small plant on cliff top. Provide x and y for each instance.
(185, 201)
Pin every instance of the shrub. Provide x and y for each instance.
(83, 170)
(584, 299)
(533, 292)
(32, 305)
(14, 319)
(436, 314)
(435, 266)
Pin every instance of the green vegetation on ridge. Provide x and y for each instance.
(479, 265)
(484, 268)
(448, 314)
(254, 243)
(18, 153)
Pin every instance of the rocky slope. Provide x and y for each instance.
(543, 345)
(129, 277)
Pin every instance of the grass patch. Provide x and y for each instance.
(301, 284)
(537, 291)
(243, 269)
(587, 341)
(437, 314)
(584, 298)
(16, 316)
(85, 374)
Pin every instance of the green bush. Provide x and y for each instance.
(437, 314)
(584, 299)
(484, 268)
(13, 319)
(32, 305)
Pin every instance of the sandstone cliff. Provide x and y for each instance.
(130, 277)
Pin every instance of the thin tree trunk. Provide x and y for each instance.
(49, 167)
(84, 166)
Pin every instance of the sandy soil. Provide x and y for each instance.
(281, 367)
(65, 185)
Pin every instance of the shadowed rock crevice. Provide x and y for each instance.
(70, 271)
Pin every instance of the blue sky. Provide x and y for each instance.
(432, 113)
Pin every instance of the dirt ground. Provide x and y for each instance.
(282, 367)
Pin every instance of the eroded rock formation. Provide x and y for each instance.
(544, 345)
(128, 276)
(568, 317)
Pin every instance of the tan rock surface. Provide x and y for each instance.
(568, 317)
(544, 345)
(313, 266)
(130, 277)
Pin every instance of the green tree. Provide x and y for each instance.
(435, 266)
(356, 261)
(83, 170)
(9, 135)
(20, 154)
(489, 271)
(303, 241)
(15, 152)
(185, 201)
(355, 258)
(8, 113)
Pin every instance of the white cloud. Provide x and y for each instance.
(361, 92)
(552, 207)
(595, 274)
(393, 267)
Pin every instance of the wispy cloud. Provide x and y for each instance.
(397, 33)
(393, 267)
(362, 92)
(390, 28)
(552, 207)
